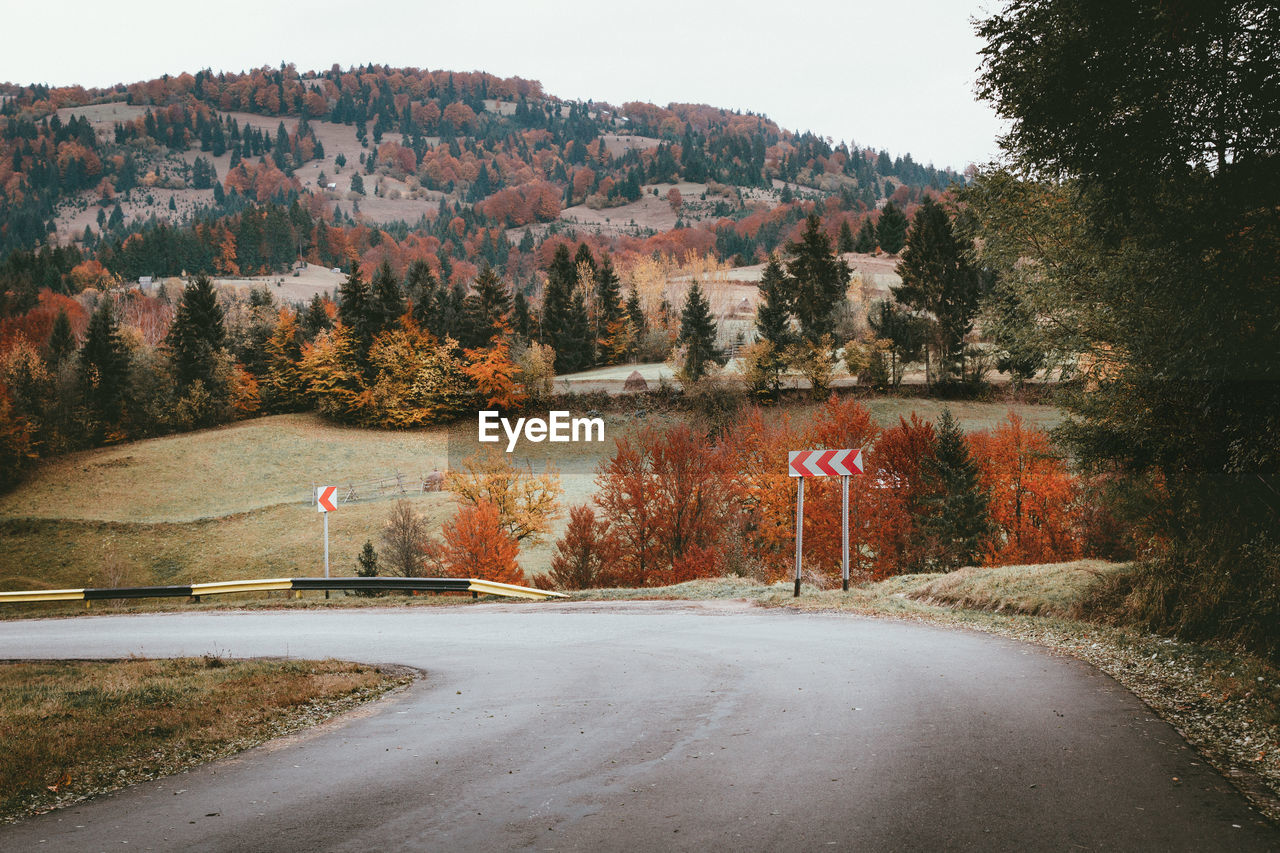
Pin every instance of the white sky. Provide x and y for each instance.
(891, 74)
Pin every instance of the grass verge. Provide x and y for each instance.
(73, 729)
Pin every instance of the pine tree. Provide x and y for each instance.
(637, 321)
(773, 320)
(866, 242)
(959, 519)
(612, 332)
(941, 286)
(487, 309)
(423, 290)
(697, 335)
(557, 304)
(354, 302)
(316, 319)
(521, 321)
(62, 341)
(197, 337)
(891, 232)
(367, 561)
(104, 366)
(387, 300)
(817, 281)
(846, 242)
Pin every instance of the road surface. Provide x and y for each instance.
(661, 726)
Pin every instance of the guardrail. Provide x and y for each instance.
(475, 586)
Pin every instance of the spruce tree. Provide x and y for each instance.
(697, 335)
(316, 319)
(959, 519)
(487, 309)
(197, 337)
(62, 341)
(773, 322)
(387, 300)
(891, 231)
(423, 290)
(610, 316)
(941, 286)
(557, 303)
(104, 366)
(846, 242)
(521, 320)
(355, 299)
(580, 349)
(639, 323)
(817, 280)
(866, 241)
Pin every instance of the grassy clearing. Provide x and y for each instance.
(72, 729)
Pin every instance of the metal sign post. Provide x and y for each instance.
(799, 529)
(844, 523)
(326, 502)
(802, 464)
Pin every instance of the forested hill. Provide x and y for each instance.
(233, 173)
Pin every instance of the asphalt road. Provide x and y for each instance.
(659, 726)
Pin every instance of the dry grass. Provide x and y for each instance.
(72, 729)
(1053, 589)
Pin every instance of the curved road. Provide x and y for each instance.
(656, 726)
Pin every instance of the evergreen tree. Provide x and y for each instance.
(357, 183)
(316, 319)
(904, 332)
(638, 322)
(941, 286)
(104, 366)
(367, 561)
(354, 302)
(866, 241)
(610, 317)
(959, 520)
(773, 322)
(487, 309)
(387, 305)
(197, 337)
(891, 232)
(697, 335)
(62, 341)
(580, 345)
(817, 281)
(424, 292)
(557, 304)
(521, 321)
(846, 242)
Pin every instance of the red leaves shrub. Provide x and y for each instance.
(476, 546)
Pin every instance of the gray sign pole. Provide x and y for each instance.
(844, 522)
(799, 529)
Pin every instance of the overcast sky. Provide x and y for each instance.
(891, 74)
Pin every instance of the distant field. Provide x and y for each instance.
(234, 502)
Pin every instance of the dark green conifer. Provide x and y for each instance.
(698, 335)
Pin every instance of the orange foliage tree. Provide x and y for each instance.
(1032, 495)
(494, 375)
(475, 545)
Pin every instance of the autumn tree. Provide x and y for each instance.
(526, 503)
(495, 376)
(584, 555)
(1032, 495)
(284, 389)
(612, 331)
(477, 545)
(404, 540)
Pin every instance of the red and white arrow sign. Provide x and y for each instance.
(327, 498)
(824, 463)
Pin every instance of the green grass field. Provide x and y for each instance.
(233, 502)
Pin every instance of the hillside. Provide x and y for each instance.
(481, 169)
